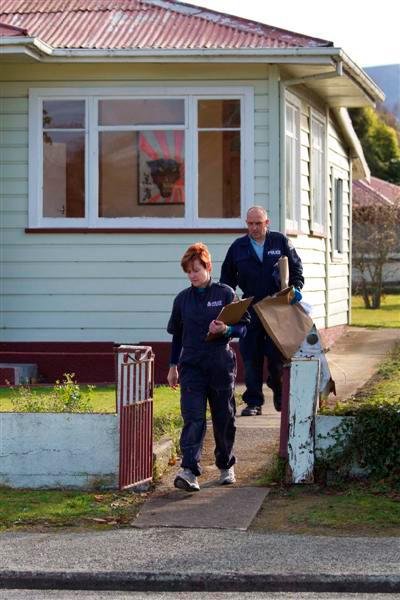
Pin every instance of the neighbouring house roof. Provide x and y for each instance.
(375, 192)
(390, 190)
(143, 24)
(169, 30)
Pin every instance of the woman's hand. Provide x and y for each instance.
(173, 377)
(218, 327)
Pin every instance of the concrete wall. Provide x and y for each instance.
(326, 427)
(58, 450)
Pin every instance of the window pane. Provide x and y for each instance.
(141, 174)
(64, 174)
(338, 223)
(290, 120)
(289, 178)
(63, 114)
(219, 113)
(219, 174)
(142, 112)
(318, 173)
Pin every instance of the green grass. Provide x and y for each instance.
(386, 316)
(382, 388)
(167, 414)
(353, 507)
(43, 509)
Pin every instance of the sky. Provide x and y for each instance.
(367, 31)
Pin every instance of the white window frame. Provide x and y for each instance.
(316, 226)
(190, 95)
(337, 253)
(295, 103)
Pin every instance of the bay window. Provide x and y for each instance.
(130, 158)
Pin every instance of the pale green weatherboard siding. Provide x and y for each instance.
(97, 287)
(327, 282)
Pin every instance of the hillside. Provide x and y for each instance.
(388, 79)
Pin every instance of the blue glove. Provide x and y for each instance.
(297, 296)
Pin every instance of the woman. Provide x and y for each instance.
(207, 369)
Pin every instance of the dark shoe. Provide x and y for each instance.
(251, 411)
(277, 401)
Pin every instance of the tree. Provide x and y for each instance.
(380, 143)
(375, 237)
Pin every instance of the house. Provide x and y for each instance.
(377, 193)
(132, 128)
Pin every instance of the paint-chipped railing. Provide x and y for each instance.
(299, 402)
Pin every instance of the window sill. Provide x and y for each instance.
(134, 230)
(337, 257)
(318, 234)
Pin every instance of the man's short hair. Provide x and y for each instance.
(261, 208)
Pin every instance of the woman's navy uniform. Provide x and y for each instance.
(207, 370)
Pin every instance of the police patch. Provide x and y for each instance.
(211, 303)
(274, 252)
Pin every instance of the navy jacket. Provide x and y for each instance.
(243, 268)
(192, 313)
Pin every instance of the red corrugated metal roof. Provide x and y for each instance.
(375, 192)
(158, 24)
(389, 190)
(10, 31)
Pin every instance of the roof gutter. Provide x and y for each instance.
(360, 165)
(32, 46)
(326, 55)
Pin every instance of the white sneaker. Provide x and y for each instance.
(186, 480)
(227, 476)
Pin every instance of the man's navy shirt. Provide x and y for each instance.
(192, 313)
(243, 268)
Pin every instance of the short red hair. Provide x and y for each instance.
(198, 251)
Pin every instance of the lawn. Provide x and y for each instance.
(352, 509)
(386, 316)
(44, 509)
(48, 509)
(167, 416)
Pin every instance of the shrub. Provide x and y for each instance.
(65, 397)
(369, 440)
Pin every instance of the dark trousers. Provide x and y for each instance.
(253, 347)
(211, 378)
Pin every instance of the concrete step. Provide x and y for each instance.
(17, 374)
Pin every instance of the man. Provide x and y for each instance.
(251, 264)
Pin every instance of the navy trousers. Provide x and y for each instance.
(209, 377)
(253, 347)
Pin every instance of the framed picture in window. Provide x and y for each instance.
(161, 167)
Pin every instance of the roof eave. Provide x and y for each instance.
(32, 47)
(360, 165)
(318, 55)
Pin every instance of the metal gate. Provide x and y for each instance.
(135, 384)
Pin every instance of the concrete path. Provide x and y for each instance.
(352, 361)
